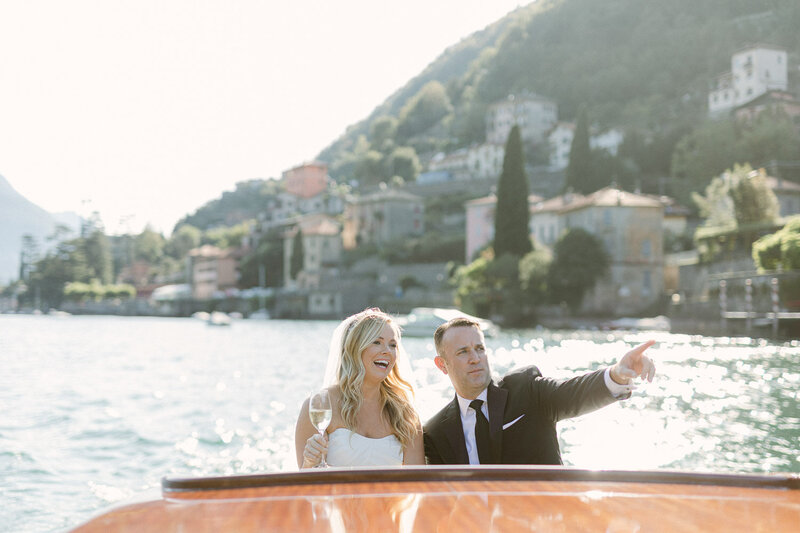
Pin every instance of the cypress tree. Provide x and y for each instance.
(579, 169)
(297, 259)
(511, 233)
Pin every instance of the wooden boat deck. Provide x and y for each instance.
(466, 499)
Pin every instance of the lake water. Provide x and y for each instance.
(94, 411)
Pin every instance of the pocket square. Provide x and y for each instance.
(513, 422)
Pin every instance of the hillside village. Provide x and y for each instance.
(639, 230)
(343, 246)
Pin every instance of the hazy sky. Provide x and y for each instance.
(146, 109)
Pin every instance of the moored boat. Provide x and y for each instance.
(260, 314)
(423, 321)
(657, 323)
(218, 318)
(465, 498)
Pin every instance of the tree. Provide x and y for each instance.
(148, 245)
(28, 256)
(780, 249)
(97, 250)
(425, 109)
(489, 286)
(469, 123)
(183, 239)
(716, 205)
(579, 169)
(511, 232)
(382, 132)
(297, 259)
(753, 200)
(62, 264)
(473, 291)
(403, 162)
(226, 237)
(268, 255)
(580, 262)
(368, 168)
(739, 198)
(533, 273)
(713, 146)
(504, 286)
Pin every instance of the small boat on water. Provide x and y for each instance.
(423, 321)
(260, 314)
(656, 323)
(465, 498)
(201, 315)
(218, 318)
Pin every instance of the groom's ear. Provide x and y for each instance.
(440, 363)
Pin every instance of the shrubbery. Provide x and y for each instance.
(81, 292)
(780, 250)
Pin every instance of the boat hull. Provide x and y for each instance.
(465, 499)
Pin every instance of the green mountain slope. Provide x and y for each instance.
(643, 65)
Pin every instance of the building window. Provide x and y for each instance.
(646, 248)
(646, 288)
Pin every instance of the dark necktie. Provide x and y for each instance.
(482, 433)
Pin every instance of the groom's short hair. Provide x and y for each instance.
(459, 321)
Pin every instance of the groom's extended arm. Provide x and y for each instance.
(586, 393)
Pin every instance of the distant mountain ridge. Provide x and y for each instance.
(20, 216)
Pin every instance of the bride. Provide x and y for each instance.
(373, 421)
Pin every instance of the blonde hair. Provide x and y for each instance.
(395, 392)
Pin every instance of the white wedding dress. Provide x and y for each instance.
(347, 448)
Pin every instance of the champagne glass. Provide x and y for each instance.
(319, 410)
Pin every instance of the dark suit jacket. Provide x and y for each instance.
(533, 403)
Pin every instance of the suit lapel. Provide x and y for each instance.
(454, 431)
(497, 406)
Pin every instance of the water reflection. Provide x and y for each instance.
(101, 408)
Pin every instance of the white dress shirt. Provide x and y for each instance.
(468, 424)
(468, 413)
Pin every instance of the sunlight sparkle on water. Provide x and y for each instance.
(108, 493)
(139, 399)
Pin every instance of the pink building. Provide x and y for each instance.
(480, 222)
(306, 180)
(213, 270)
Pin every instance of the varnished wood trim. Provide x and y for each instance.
(476, 473)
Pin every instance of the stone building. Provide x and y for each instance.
(630, 226)
(755, 71)
(535, 115)
(382, 217)
(213, 270)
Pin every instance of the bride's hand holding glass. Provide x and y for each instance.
(319, 411)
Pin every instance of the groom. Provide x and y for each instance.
(522, 408)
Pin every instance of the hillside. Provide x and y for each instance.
(642, 65)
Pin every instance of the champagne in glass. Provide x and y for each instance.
(319, 410)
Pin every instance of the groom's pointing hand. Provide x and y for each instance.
(634, 364)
